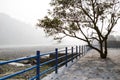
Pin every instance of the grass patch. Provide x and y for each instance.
(10, 69)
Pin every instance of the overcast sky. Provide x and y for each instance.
(25, 10)
(28, 11)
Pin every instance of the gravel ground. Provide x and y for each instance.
(91, 67)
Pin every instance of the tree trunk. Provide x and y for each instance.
(104, 53)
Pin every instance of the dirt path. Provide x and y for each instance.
(91, 67)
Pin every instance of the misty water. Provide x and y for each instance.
(18, 52)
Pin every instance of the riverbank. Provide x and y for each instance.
(9, 53)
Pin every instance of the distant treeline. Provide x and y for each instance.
(113, 41)
(113, 44)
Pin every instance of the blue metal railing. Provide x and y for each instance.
(69, 55)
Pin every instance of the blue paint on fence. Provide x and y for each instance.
(69, 56)
(38, 65)
(56, 57)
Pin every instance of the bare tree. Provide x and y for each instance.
(86, 20)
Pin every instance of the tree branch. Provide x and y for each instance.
(74, 36)
(113, 22)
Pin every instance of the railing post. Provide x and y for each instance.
(76, 52)
(82, 50)
(79, 51)
(56, 57)
(66, 58)
(85, 49)
(38, 65)
(72, 53)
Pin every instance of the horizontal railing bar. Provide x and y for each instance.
(64, 50)
(47, 70)
(47, 62)
(61, 56)
(52, 52)
(17, 73)
(33, 78)
(69, 59)
(70, 49)
(61, 50)
(68, 54)
(52, 60)
(16, 60)
(61, 63)
(74, 56)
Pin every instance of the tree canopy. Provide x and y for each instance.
(86, 20)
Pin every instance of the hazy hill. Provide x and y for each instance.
(15, 32)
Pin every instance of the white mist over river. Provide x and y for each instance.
(17, 52)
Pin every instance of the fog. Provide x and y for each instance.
(16, 33)
(17, 28)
